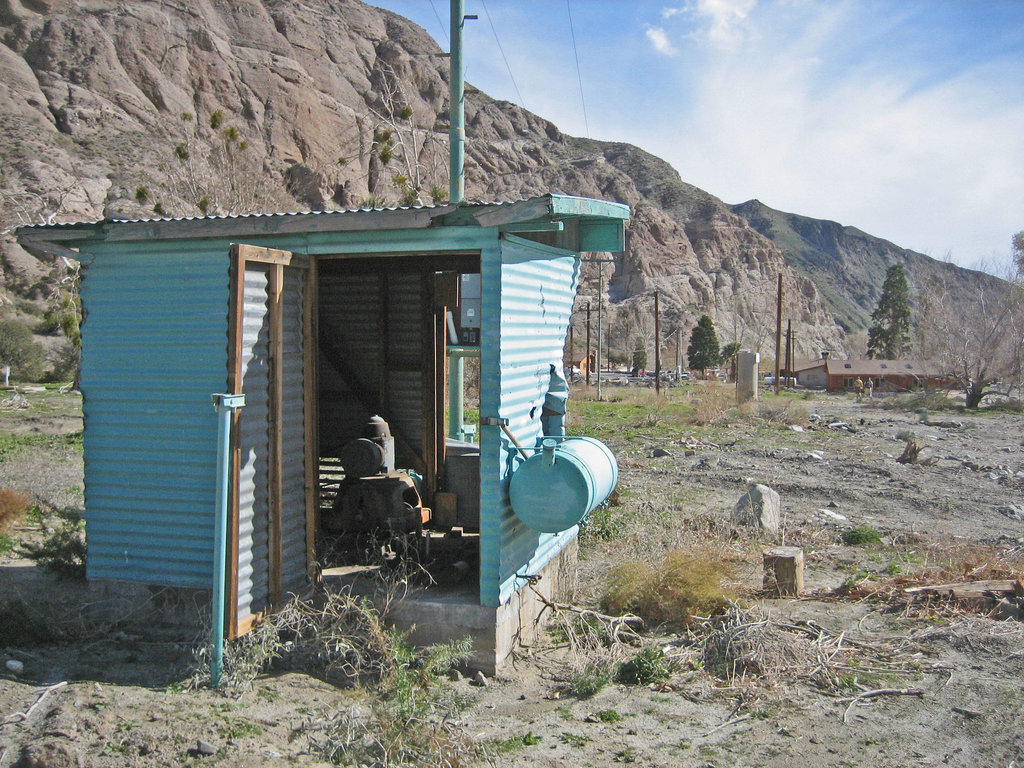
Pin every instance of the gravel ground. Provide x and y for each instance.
(954, 676)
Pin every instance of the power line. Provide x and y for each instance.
(441, 24)
(522, 103)
(579, 74)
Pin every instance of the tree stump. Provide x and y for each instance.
(784, 571)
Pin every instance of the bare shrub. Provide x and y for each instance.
(712, 406)
(746, 644)
(13, 506)
(782, 411)
(683, 584)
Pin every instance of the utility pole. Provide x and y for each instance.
(600, 311)
(457, 107)
(657, 344)
(778, 336)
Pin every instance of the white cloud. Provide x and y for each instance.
(660, 40)
(724, 20)
(933, 168)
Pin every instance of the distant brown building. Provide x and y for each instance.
(886, 375)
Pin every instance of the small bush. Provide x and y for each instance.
(13, 506)
(906, 436)
(648, 666)
(684, 584)
(63, 553)
(20, 351)
(588, 680)
(861, 536)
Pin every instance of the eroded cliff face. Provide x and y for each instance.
(117, 108)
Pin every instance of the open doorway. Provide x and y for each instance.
(394, 490)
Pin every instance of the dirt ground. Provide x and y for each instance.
(952, 676)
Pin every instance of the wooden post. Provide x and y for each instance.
(784, 571)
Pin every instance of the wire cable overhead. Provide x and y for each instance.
(579, 74)
(501, 50)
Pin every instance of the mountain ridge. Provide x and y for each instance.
(337, 104)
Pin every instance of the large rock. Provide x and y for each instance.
(760, 507)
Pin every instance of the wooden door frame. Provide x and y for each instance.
(276, 260)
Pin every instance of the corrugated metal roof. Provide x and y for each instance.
(567, 206)
(264, 215)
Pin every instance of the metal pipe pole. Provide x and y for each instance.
(456, 396)
(457, 107)
(600, 307)
(657, 344)
(589, 366)
(225, 405)
(778, 335)
(789, 350)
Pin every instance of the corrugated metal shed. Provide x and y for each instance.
(163, 331)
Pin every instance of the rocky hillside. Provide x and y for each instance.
(149, 108)
(847, 265)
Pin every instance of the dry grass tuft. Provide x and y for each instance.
(713, 406)
(672, 592)
(13, 506)
(782, 411)
(747, 644)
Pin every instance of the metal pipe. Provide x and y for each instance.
(778, 336)
(457, 108)
(456, 396)
(600, 312)
(225, 405)
(657, 344)
(456, 389)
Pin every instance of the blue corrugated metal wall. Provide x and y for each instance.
(154, 348)
(527, 303)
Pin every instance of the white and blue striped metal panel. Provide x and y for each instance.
(527, 303)
(154, 349)
(254, 444)
(294, 573)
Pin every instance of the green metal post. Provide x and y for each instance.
(457, 389)
(225, 405)
(456, 396)
(457, 108)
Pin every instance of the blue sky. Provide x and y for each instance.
(904, 118)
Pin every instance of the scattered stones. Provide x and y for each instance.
(1012, 511)
(205, 748)
(658, 453)
(828, 517)
(759, 507)
(480, 680)
(815, 455)
(14, 666)
(454, 675)
(796, 428)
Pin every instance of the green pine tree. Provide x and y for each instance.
(703, 351)
(889, 335)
